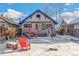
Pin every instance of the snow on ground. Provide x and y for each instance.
(64, 44)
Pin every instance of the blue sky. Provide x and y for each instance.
(28, 8)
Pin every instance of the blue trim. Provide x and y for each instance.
(40, 12)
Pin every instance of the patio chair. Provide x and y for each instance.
(23, 44)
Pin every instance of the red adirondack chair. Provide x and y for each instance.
(23, 44)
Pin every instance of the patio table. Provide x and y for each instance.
(12, 45)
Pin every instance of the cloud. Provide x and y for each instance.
(76, 12)
(67, 4)
(65, 9)
(69, 16)
(53, 17)
(13, 13)
(76, 8)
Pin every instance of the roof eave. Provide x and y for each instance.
(42, 13)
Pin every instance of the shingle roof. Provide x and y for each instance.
(8, 20)
(75, 21)
(40, 12)
(72, 21)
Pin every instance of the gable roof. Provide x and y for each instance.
(68, 21)
(40, 12)
(63, 22)
(8, 21)
(75, 21)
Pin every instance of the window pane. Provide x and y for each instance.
(36, 26)
(48, 26)
(27, 25)
(38, 16)
(43, 27)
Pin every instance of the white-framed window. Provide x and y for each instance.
(38, 16)
(43, 27)
(48, 26)
(36, 26)
(27, 25)
(76, 26)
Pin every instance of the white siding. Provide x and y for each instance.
(3, 22)
(34, 19)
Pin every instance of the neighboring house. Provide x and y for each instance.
(7, 26)
(7, 22)
(75, 23)
(63, 27)
(71, 26)
(39, 22)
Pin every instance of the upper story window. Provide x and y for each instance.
(38, 16)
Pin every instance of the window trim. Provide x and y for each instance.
(36, 26)
(43, 26)
(38, 16)
(28, 25)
